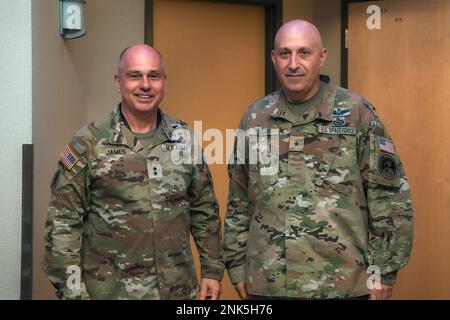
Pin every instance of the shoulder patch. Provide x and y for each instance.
(386, 145)
(68, 158)
(387, 166)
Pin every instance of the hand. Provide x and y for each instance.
(242, 290)
(383, 293)
(210, 289)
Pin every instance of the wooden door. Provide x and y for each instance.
(214, 54)
(404, 70)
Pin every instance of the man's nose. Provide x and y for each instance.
(293, 62)
(145, 83)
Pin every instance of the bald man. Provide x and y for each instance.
(125, 200)
(331, 218)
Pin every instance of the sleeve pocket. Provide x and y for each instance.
(384, 162)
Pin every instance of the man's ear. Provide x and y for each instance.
(117, 82)
(323, 57)
(273, 56)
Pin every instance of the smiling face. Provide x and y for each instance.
(298, 57)
(141, 79)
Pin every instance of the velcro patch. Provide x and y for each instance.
(68, 158)
(341, 112)
(115, 152)
(337, 130)
(172, 147)
(155, 170)
(387, 166)
(296, 143)
(386, 145)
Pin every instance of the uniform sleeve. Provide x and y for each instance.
(237, 220)
(388, 198)
(205, 222)
(64, 227)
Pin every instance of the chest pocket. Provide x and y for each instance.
(263, 160)
(117, 173)
(384, 162)
(319, 154)
(169, 177)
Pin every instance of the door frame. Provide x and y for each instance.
(272, 21)
(344, 49)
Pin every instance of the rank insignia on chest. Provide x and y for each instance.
(296, 143)
(155, 170)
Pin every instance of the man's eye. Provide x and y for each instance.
(155, 76)
(134, 76)
(284, 54)
(305, 53)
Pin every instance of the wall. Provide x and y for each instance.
(58, 110)
(112, 26)
(326, 15)
(381, 77)
(72, 84)
(15, 106)
(298, 9)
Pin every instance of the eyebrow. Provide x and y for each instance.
(289, 49)
(139, 72)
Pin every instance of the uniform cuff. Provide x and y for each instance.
(237, 274)
(213, 271)
(389, 278)
(74, 294)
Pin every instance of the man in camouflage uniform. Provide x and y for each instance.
(338, 205)
(124, 201)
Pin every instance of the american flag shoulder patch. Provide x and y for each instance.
(386, 145)
(68, 158)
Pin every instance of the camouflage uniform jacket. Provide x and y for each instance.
(338, 203)
(123, 215)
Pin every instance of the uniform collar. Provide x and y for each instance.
(121, 134)
(323, 110)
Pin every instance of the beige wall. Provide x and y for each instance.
(298, 9)
(326, 15)
(15, 105)
(112, 26)
(72, 84)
